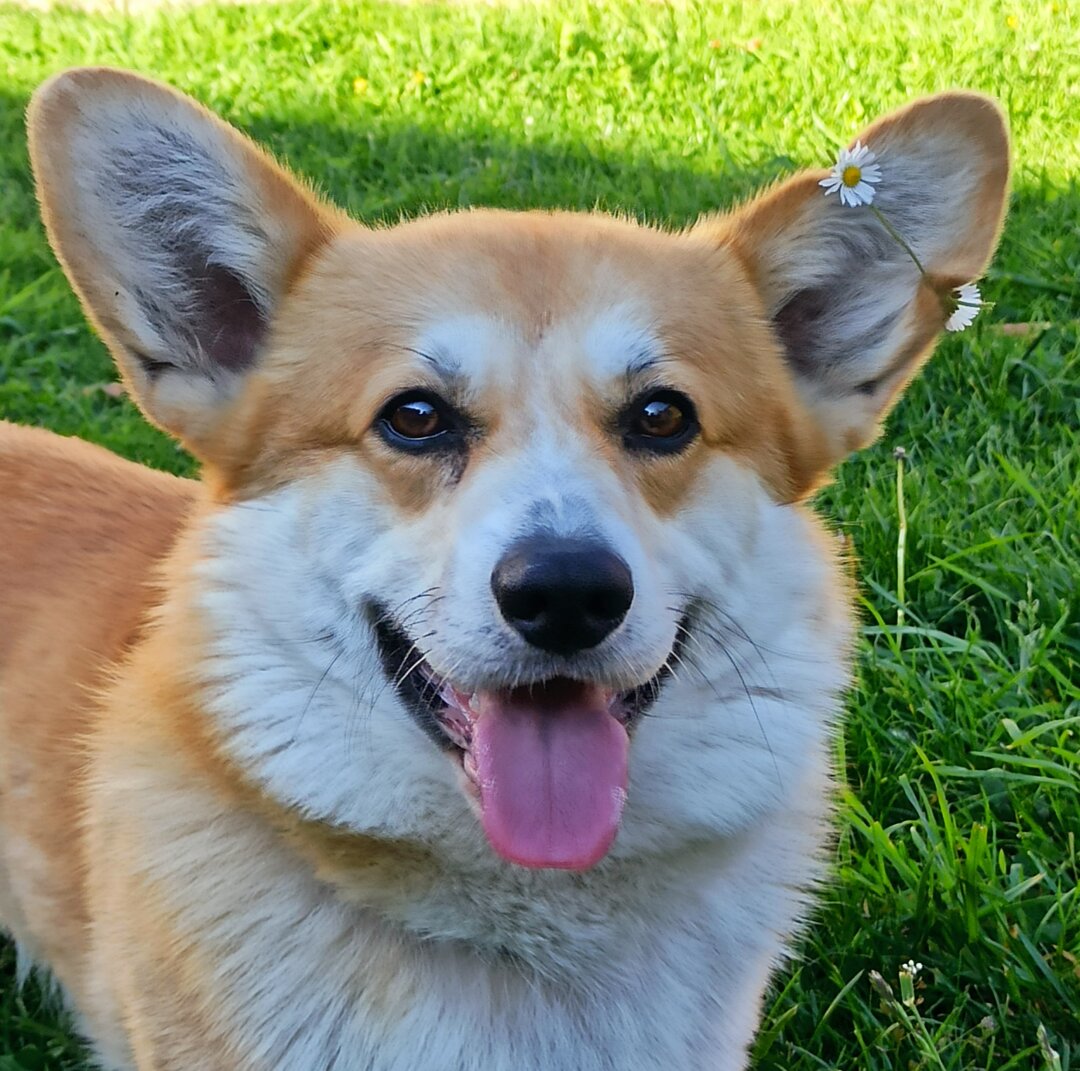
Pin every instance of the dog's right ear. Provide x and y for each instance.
(178, 234)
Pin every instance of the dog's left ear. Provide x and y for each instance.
(854, 316)
(180, 236)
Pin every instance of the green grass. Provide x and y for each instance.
(958, 844)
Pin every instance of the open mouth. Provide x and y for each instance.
(546, 762)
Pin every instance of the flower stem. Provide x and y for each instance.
(912, 1021)
(901, 544)
(896, 235)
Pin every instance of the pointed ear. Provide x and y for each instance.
(851, 311)
(178, 234)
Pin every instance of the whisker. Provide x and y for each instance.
(715, 608)
(311, 698)
(747, 691)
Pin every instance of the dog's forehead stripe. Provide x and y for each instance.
(465, 344)
(615, 343)
(619, 342)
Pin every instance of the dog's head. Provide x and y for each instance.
(506, 518)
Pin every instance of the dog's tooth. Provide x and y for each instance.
(469, 763)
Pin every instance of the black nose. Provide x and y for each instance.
(562, 595)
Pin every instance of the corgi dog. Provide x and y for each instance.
(474, 710)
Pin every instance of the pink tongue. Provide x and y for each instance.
(552, 778)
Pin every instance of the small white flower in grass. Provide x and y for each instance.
(855, 175)
(968, 301)
(908, 973)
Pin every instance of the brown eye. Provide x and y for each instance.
(416, 420)
(662, 421)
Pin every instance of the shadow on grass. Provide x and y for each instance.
(380, 170)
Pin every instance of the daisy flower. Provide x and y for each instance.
(966, 302)
(855, 175)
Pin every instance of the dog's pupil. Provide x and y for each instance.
(661, 418)
(416, 419)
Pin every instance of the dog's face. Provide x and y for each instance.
(506, 556)
(538, 491)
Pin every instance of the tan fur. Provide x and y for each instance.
(729, 357)
(99, 628)
(82, 532)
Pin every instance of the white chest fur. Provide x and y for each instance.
(667, 974)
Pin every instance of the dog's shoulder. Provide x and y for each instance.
(80, 532)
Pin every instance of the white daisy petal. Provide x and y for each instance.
(962, 317)
(853, 176)
(969, 294)
(968, 303)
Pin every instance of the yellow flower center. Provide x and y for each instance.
(850, 175)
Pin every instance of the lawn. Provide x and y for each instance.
(958, 844)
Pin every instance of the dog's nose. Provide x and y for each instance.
(562, 595)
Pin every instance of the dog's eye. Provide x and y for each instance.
(661, 421)
(415, 419)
